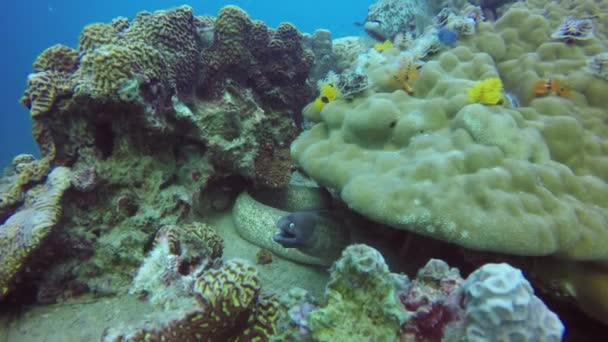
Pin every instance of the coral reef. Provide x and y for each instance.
(485, 133)
(26, 229)
(386, 18)
(486, 178)
(151, 114)
(179, 256)
(499, 304)
(256, 221)
(364, 301)
(361, 300)
(574, 29)
(274, 62)
(225, 304)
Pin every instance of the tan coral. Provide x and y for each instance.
(24, 231)
(228, 306)
(58, 58)
(526, 181)
(43, 91)
(96, 35)
(229, 46)
(106, 69)
(27, 172)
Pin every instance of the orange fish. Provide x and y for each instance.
(551, 85)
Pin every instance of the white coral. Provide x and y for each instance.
(500, 305)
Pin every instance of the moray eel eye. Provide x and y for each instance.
(292, 226)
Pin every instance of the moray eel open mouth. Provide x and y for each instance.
(286, 239)
(295, 230)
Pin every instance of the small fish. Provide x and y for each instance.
(551, 85)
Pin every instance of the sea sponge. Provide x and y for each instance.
(488, 91)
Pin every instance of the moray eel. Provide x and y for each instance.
(314, 233)
(257, 212)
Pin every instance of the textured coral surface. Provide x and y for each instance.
(528, 180)
(27, 228)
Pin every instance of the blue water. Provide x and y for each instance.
(30, 26)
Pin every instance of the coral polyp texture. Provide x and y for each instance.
(179, 256)
(27, 228)
(224, 304)
(525, 177)
(164, 73)
(361, 300)
(152, 113)
(500, 305)
(365, 301)
(275, 62)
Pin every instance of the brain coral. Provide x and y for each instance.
(23, 232)
(527, 181)
(500, 305)
(228, 307)
(158, 50)
(273, 62)
(51, 79)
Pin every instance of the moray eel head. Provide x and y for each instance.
(296, 229)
